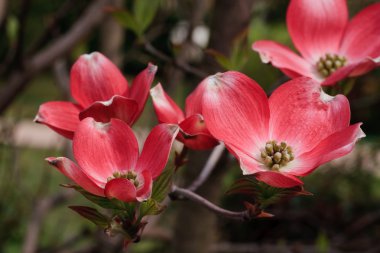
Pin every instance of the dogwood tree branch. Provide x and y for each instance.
(181, 193)
(43, 59)
(208, 168)
(180, 64)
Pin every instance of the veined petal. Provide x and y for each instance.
(302, 114)
(236, 110)
(157, 146)
(144, 192)
(75, 173)
(117, 107)
(104, 148)
(248, 164)
(121, 189)
(353, 69)
(317, 27)
(139, 90)
(195, 135)
(283, 58)
(278, 179)
(62, 117)
(334, 146)
(361, 38)
(166, 109)
(94, 77)
(194, 100)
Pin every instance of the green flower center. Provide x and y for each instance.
(330, 63)
(276, 155)
(131, 176)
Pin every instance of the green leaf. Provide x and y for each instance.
(12, 28)
(220, 58)
(161, 186)
(127, 20)
(98, 200)
(150, 207)
(92, 215)
(144, 12)
(264, 194)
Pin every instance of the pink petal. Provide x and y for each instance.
(333, 146)
(94, 77)
(121, 189)
(62, 117)
(194, 100)
(157, 146)
(302, 114)
(75, 173)
(248, 164)
(118, 107)
(316, 27)
(166, 109)
(195, 135)
(236, 110)
(283, 58)
(278, 179)
(144, 192)
(104, 148)
(354, 69)
(139, 90)
(362, 38)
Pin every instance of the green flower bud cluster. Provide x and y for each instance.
(276, 155)
(330, 63)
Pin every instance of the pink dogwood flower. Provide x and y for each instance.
(281, 138)
(194, 133)
(101, 92)
(332, 47)
(109, 163)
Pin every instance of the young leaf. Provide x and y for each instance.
(92, 215)
(264, 194)
(98, 200)
(127, 20)
(150, 207)
(144, 11)
(162, 184)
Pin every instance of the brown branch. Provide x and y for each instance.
(43, 59)
(52, 26)
(176, 62)
(180, 193)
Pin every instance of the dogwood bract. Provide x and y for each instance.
(101, 92)
(194, 133)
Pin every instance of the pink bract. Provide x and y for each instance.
(281, 138)
(331, 46)
(193, 131)
(100, 91)
(109, 163)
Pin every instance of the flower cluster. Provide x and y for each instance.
(277, 140)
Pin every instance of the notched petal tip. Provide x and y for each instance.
(152, 69)
(52, 160)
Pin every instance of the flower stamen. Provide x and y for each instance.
(130, 175)
(276, 155)
(330, 63)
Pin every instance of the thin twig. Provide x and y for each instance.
(180, 64)
(208, 168)
(178, 192)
